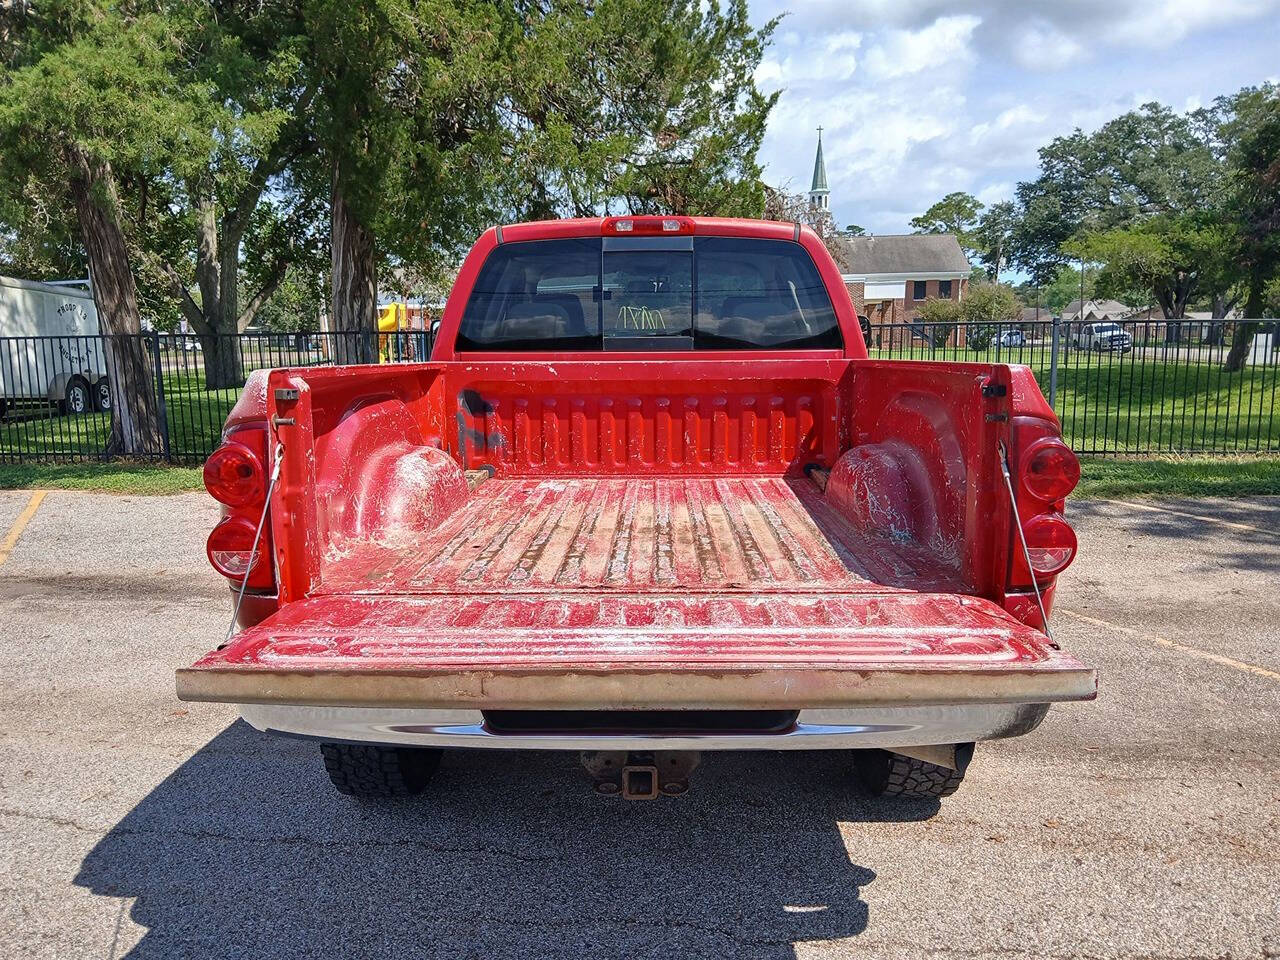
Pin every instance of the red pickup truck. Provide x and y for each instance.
(648, 497)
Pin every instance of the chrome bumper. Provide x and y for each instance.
(884, 727)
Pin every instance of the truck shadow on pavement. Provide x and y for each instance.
(245, 850)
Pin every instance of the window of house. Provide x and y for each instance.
(917, 289)
(944, 289)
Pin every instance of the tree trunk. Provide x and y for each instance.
(1214, 336)
(355, 289)
(1242, 340)
(135, 415)
(222, 367)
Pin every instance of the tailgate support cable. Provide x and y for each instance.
(1022, 539)
(257, 536)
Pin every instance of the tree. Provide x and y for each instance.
(985, 309)
(1065, 287)
(405, 115)
(940, 318)
(853, 230)
(987, 306)
(1161, 257)
(607, 118)
(1254, 163)
(88, 99)
(1144, 163)
(993, 236)
(794, 208)
(955, 213)
(245, 181)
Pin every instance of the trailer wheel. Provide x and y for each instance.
(77, 398)
(374, 772)
(881, 773)
(102, 395)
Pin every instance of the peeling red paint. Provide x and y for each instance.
(646, 513)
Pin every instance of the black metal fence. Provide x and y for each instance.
(56, 393)
(1125, 389)
(1140, 388)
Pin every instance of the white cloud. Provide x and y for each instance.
(941, 46)
(1038, 45)
(922, 97)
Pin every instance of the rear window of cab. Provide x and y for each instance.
(649, 293)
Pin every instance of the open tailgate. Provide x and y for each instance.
(614, 652)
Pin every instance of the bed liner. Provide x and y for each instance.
(719, 535)
(665, 593)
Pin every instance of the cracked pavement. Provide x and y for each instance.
(1143, 825)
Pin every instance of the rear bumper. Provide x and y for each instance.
(651, 688)
(783, 651)
(881, 727)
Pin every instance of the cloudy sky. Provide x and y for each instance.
(918, 98)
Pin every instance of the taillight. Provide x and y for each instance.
(233, 475)
(1051, 544)
(231, 551)
(1049, 470)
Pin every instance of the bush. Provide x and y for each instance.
(939, 318)
(988, 307)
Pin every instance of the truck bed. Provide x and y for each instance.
(701, 535)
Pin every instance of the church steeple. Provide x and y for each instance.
(819, 195)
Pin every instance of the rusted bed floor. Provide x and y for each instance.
(667, 534)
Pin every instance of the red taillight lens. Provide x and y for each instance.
(1051, 543)
(233, 475)
(1050, 470)
(232, 553)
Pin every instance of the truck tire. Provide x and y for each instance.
(78, 398)
(374, 772)
(102, 395)
(881, 773)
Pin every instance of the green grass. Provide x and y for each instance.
(195, 417)
(1179, 477)
(1136, 403)
(142, 479)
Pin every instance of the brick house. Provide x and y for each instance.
(890, 277)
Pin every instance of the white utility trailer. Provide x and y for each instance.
(50, 347)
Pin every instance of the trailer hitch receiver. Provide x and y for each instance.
(640, 775)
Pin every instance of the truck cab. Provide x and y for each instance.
(648, 497)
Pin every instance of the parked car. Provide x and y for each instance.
(50, 348)
(602, 520)
(1102, 336)
(1011, 338)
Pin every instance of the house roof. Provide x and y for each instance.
(1110, 309)
(906, 254)
(1029, 314)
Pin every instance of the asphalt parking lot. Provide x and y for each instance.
(1146, 824)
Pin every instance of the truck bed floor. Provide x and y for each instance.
(704, 535)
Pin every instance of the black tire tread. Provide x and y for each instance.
(909, 777)
(376, 772)
(885, 774)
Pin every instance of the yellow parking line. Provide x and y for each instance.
(1174, 645)
(1192, 516)
(29, 511)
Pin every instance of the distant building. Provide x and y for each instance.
(819, 195)
(890, 277)
(1097, 311)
